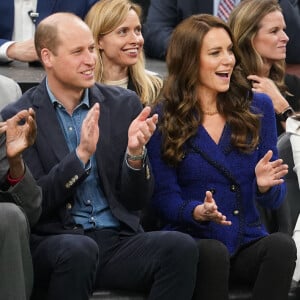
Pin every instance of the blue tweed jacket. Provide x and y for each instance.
(223, 170)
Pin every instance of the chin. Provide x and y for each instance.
(89, 84)
(281, 56)
(224, 89)
(131, 62)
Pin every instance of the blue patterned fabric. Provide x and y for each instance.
(224, 170)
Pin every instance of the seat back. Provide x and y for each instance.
(145, 5)
(293, 191)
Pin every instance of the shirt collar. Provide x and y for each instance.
(54, 101)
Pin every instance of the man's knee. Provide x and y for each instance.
(179, 246)
(78, 250)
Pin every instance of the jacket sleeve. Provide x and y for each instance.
(25, 193)
(161, 20)
(137, 186)
(28, 195)
(167, 198)
(59, 184)
(268, 141)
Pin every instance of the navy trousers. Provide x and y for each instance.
(68, 267)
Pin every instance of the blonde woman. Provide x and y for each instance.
(116, 27)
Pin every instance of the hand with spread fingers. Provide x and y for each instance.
(139, 133)
(269, 173)
(208, 211)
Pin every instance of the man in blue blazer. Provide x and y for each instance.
(95, 176)
(24, 50)
(163, 16)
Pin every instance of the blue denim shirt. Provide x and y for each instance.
(90, 208)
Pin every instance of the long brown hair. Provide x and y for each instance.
(181, 112)
(244, 23)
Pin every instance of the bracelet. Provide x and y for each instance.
(285, 114)
(137, 157)
(13, 181)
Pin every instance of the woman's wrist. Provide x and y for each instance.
(285, 113)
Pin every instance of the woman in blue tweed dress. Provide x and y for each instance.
(214, 156)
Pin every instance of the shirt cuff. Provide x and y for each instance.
(3, 50)
(13, 181)
(293, 126)
(86, 166)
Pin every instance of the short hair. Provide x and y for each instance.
(47, 32)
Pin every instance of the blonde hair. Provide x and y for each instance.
(103, 18)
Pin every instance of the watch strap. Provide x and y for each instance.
(285, 114)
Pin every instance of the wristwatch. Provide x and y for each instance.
(285, 114)
(137, 157)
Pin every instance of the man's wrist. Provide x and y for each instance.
(140, 156)
(13, 181)
(16, 167)
(16, 172)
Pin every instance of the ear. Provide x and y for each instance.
(46, 56)
(100, 43)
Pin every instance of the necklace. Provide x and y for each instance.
(210, 113)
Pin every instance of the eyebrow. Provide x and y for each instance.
(215, 48)
(220, 47)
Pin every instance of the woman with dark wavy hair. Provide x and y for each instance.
(214, 156)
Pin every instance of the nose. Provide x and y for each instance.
(90, 57)
(136, 38)
(229, 58)
(284, 37)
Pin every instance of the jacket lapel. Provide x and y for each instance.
(104, 138)
(47, 116)
(215, 154)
